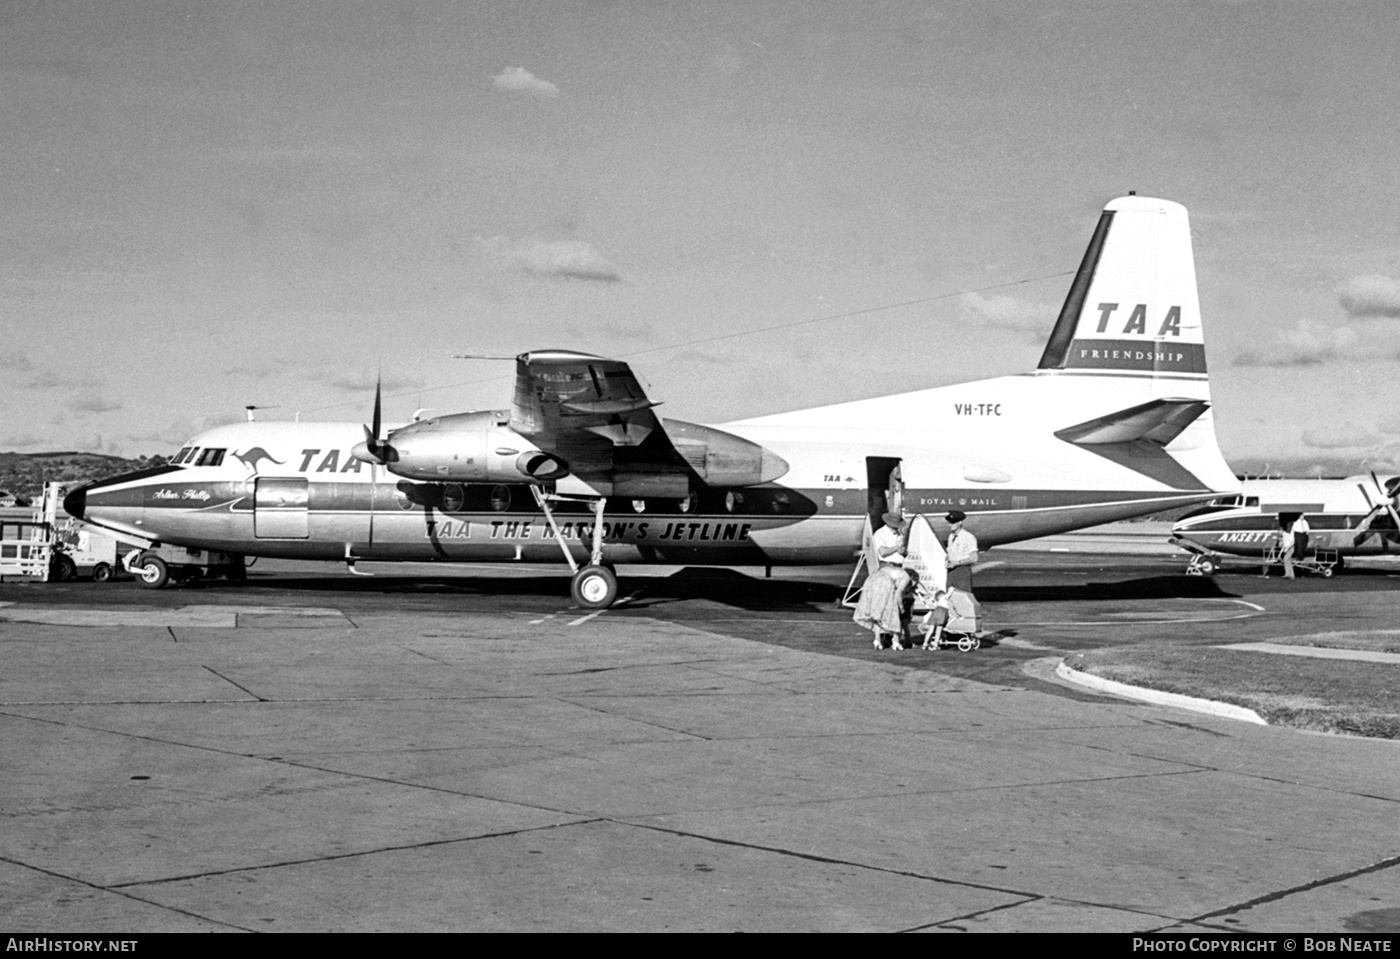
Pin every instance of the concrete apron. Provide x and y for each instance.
(435, 772)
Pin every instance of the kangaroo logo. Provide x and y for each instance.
(253, 456)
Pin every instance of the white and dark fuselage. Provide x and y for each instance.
(1114, 423)
(1351, 517)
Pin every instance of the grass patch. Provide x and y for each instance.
(1368, 640)
(1324, 695)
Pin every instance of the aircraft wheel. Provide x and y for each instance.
(62, 568)
(153, 571)
(102, 573)
(594, 587)
(1208, 566)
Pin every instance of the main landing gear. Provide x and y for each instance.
(595, 585)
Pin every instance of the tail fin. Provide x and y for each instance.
(1133, 308)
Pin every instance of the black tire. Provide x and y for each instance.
(594, 587)
(153, 571)
(62, 568)
(102, 573)
(1208, 566)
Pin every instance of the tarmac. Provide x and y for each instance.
(460, 750)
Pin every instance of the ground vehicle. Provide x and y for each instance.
(37, 542)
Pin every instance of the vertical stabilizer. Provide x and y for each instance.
(1133, 306)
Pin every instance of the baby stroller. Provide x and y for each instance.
(954, 619)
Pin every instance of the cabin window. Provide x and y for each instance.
(210, 457)
(1251, 501)
(181, 456)
(500, 499)
(453, 497)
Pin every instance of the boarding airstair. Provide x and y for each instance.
(27, 538)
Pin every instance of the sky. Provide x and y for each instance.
(761, 205)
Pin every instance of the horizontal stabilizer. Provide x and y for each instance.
(1159, 421)
(1136, 438)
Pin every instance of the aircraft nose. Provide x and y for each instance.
(76, 502)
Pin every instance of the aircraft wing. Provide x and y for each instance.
(593, 413)
(560, 392)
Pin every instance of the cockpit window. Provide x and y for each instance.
(210, 457)
(181, 456)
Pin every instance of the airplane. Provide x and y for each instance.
(1114, 422)
(1355, 516)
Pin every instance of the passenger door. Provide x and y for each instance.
(280, 509)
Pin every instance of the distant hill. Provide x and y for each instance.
(25, 474)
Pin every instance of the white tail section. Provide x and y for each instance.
(1133, 306)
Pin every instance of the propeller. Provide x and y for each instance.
(373, 449)
(1386, 496)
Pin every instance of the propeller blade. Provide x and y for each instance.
(378, 419)
(1387, 499)
(372, 450)
(1369, 502)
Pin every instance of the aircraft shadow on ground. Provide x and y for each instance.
(1149, 587)
(728, 587)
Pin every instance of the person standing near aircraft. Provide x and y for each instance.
(888, 541)
(1292, 540)
(962, 552)
(884, 605)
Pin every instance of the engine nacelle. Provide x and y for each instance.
(470, 448)
(722, 459)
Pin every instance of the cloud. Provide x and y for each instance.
(15, 361)
(1340, 437)
(1370, 296)
(363, 381)
(42, 379)
(1028, 319)
(639, 332)
(1309, 343)
(560, 259)
(520, 80)
(21, 440)
(92, 403)
(702, 357)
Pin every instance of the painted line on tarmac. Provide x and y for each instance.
(599, 612)
(211, 616)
